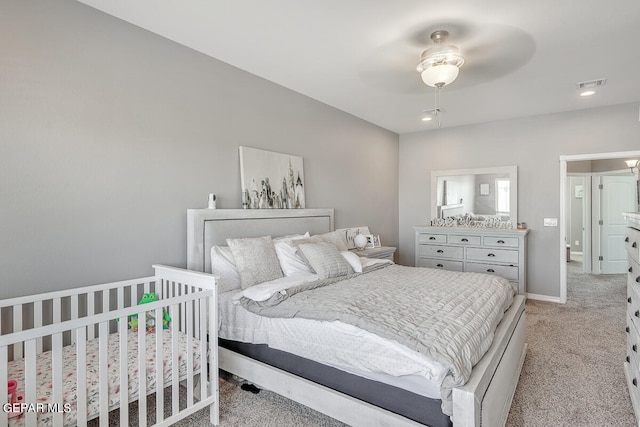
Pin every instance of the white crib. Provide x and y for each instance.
(61, 343)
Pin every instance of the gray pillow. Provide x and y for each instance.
(325, 259)
(337, 238)
(255, 259)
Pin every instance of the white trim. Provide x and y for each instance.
(546, 298)
(563, 183)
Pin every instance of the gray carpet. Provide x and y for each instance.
(572, 376)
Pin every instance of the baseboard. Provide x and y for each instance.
(547, 298)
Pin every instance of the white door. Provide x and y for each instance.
(617, 195)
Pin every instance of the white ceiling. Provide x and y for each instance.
(523, 58)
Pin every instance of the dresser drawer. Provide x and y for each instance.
(633, 382)
(493, 255)
(431, 238)
(438, 251)
(440, 263)
(633, 275)
(633, 305)
(506, 271)
(632, 243)
(464, 240)
(633, 345)
(500, 242)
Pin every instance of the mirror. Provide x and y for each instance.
(487, 193)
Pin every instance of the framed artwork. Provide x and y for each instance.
(484, 189)
(376, 241)
(271, 180)
(370, 242)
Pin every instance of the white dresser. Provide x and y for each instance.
(632, 362)
(481, 250)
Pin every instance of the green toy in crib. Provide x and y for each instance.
(150, 319)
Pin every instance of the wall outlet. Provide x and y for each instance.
(550, 222)
(577, 243)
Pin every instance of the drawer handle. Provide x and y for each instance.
(626, 239)
(440, 251)
(432, 238)
(439, 265)
(464, 240)
(501, 241)
(628, 361)
(637, 313)
(638, 279)
(627, 329)
(635, 382)
(491, 270)
(629, 300)
(634, 245)
(635, 348)
(630, 270)
(491, 254)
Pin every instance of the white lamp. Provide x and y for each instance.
(634, 165)
(360, 241)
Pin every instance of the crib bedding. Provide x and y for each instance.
(44, 374)
(449, 317)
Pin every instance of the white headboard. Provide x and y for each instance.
(209, 227)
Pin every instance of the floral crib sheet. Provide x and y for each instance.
(69, 361)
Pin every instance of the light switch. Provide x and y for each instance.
(551, 222)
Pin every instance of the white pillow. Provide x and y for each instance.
(290, 262)
(224, 269)
(353, 260)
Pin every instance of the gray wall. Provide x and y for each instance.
(534, 144)
(108, 133)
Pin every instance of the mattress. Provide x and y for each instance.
(335, 344)
(69, 361)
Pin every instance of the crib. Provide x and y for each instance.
(77, 354)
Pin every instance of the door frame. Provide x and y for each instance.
(563, 208)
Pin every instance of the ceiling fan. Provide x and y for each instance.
(440, 53)
(488, 51)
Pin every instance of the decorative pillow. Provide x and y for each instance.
(337, 238)
(224, 269)
(296, 245)
(353, 260)
(255, 259)
(291, 263)
(325, 259)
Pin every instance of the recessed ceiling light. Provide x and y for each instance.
(590, 87)
(427, 118)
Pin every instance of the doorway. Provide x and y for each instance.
(592, 240)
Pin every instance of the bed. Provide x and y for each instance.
(340, 390)
(76, 355)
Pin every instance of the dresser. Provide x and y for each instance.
(481, 250)
(632, 361)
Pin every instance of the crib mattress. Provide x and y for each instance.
(69, 377)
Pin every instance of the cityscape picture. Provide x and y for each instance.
(271, 180)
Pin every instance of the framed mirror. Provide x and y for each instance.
(485, 193)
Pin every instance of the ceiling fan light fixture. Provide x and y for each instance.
(440, 64)
(440, 75)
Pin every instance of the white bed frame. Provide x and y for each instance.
(484, 400)
(51, 321)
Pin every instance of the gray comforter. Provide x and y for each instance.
(448, 316)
